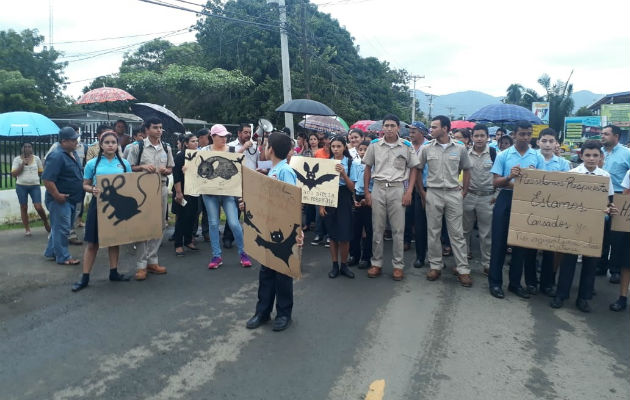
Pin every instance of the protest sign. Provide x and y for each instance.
(213, 172)
(559, 211)
(318, 179)
(129, 208)
(272, 221)
(621, 221)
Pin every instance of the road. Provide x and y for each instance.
(182, 335)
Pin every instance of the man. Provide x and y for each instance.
(244, 144)
(616, 163)
(151, 155)
(121, 128)
(507, 166)
(479, 201)
(203, 137)
(444, 197)
(63, 179)
(138, 136)
(389, 160)
(415, 214)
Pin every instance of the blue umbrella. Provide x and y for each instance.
(502, 113)
(22, 123)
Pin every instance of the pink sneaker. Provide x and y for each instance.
(215, 262)
(245, 261)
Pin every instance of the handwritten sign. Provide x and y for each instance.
(559, 211)
(213, 172)
(318, 179)
(271, 222)
(621, 221)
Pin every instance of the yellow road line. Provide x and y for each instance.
(376, 391)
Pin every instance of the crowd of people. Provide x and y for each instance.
(430, 190)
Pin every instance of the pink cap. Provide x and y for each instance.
(219, 130)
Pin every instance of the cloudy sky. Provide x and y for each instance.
(482, 45)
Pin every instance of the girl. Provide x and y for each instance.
(338, 221)
(184, 206)
(27, 168)
(462, 135)
(355, 137)
(108, 161)
(362, 218)
(313, 145)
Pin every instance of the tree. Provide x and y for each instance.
(559, 98)
(18, 93)
(583, 112)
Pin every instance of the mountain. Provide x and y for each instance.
(462, 104)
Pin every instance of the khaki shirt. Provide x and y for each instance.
(444, 163)
(154, 155)
(93, 150)
(480, 175)
(390, 162)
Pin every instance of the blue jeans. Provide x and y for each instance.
(61, 218)
(230, 208)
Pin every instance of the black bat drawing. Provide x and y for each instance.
(217, 167)
(247, 218)
(190, 156)
(125, 207)
(279, 246)
(310, 181)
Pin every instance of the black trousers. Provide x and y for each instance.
(272, 286)
(420, 222)
(184, 218)
(201, 209)
(619, 244)
(587, 276)
(361, 248)
(547, 274)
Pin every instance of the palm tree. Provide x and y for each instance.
(514, 94)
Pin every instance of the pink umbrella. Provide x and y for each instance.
(461, 124)
(104, 95)
(362, 124)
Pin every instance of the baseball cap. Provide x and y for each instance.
(419, 125)
(67, 133)
(219, 130)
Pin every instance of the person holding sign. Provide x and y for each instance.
(591, 155)
(338, 220)
(184, 206)
(108, 161)
(624, 260)
(507, 166)
(272, 285)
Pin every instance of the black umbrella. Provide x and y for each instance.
(170, 122)
(305, 106)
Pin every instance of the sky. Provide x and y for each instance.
(482, 45)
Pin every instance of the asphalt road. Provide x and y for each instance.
(182, 335)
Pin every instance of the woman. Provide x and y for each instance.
(213, 203)
(107, 162)
(463, 136)
(184, 206)
(27, 168)
(313, 145)
(355, 137)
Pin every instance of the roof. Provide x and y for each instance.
(98, 116)
(613, 98)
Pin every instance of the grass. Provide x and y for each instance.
(6, 169)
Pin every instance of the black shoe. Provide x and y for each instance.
(519, 291)
(334, 272)
(119, 278)
(418, 263)
(497, 292)
(327, 244)
(227, 244)
(345, 271)
(317, 240)
(583, 305)
(600, 271)
(615, 277)
(550, 291)
(76, 286)
(281, 323)
(618, 305)
(532, 289)
(352, 261)
(556, 302)
(257, 320)
(364, 264)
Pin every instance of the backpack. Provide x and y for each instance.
(165, 146)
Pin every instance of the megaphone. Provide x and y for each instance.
(264, 126)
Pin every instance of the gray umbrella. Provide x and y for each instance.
(170, 122)
(305, 106)
(378, 127)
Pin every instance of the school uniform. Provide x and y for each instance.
(184, 214)
(361, 249)
(338, 220)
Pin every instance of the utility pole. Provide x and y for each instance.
(50, 24)
(305, 58)
(450, 112)
(413, 96)
(284, 49)
(430, 97)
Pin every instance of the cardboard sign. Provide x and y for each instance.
(129, 208)
(621, 221)
(272, 221)
(559, 211)
(213, 172)
(318, 179)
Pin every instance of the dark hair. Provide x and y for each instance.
(372, 136)
(591, 144)
(364, 143)
(280, 143)
(243, 125)
(286, 130)
(392, 117)
(444, 121)
(186, 138)
(506, 137)
(501, 130)
(522, 125)
(202, 132)
(548, 132)
(301, 135)
(357, 130)
(122, 121)
(102, 128)
(151, 121)
(346, 152)
(481, 127)
(615, 129)
(465, 133)
(100, 150)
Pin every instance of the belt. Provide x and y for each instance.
(389, 184)
(445, 189)
(481, 192)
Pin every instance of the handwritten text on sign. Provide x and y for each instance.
(559, 211)
(318, 180)
(621, 221)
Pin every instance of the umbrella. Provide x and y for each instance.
(501, 113)
(362, 124)
(461, 124)
(305, 106)
(22, 123)
(170, 122)
(377, 126)
(104, 95)
(322, 123)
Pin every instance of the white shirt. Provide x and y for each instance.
(250, 160)
(354, 154)
(581, 169)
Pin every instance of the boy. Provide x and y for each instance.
(362, 220)
(271, 284)
(624, 257)
(591, 156)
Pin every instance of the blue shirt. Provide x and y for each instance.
(510, 157)
(66, 173)
(283, 172)
(353, 171)
(555, 164)
(358, 187)
(616, 163)
(105, 167)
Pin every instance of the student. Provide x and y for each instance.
(108, 161)
(272, 285)
(355, 138)
(360, 247)
(310, 211)
(184, 206)
(624, 261)
(338, 220)
(505, 142)
(312, 147)
(591, 155)
(321, 233)
(27, 168)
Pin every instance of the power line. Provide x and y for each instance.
(120, 37)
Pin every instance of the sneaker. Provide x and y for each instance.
(317, 240)
(215, 263)
(245, 261)
(327, 242)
